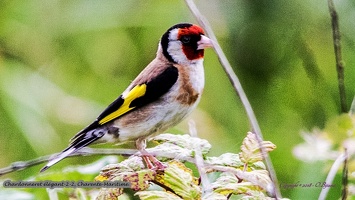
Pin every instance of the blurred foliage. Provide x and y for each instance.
(62, 62)
(329, 144)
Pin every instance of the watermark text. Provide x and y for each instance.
(65, 184)
(322, 185)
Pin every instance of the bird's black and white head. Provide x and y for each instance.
(184, 43)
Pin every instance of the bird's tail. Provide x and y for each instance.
(81, 140)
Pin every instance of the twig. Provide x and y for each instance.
(344, 193)
(332, 172)
(338, 54)
(206, 186)
(239, 90)
(87, 151)
(352, 108)
(20, 165)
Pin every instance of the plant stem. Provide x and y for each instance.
(239, 90)
(344, 193)
(332, 172)
(21, 165)
(338, 54)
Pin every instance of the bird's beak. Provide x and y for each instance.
(204, 43)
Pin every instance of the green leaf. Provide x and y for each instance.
(227, 159)
(156, 195)
(169, 150)
(133, 163)
(233, 160)
(260, 178)
(214, 196)
(109, 193)
(180, 179)
(140, 180)
(257, 165)
(250, 149)
(129, 170)
(185, 141)
(228, 183)
(256, 195)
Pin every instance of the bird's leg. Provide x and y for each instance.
(150, 161)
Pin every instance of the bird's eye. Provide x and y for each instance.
(185, 39)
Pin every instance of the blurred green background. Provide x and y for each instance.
(62, 62)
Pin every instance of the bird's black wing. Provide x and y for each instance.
(140, 95)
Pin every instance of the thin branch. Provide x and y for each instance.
(87, 151)
(239, 90)
(352, 108)
(338, 54)
(332, 172)
(344, 193)
(206, 185)
(20, 165)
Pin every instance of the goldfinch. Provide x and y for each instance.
(160, 97)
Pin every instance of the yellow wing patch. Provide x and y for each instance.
(136, 92)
